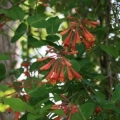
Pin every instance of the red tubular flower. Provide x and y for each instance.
(77, 33)
(48, 65)
(61, 77)
(70, 75)
(88, 44)
(90, 23)
(87, 35)
(25, 64)
(58, 64)
(68, 40)
(27, 73)
(17, 114)
(67, 62)
(78, 76)
(53, 76)
(78, 40)
(68, 108)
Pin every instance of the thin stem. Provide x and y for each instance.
(87, 92)
(108, 61)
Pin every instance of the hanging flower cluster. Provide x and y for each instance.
(78, 33)
(59, 65)
(68, 108)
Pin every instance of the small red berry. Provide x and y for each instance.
(97, 110)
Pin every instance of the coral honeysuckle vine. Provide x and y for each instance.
(67, 59)
(59, 67)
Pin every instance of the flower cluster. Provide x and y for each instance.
(59, 65)
(78, 33)
(68, 108)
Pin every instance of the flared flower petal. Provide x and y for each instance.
(92, 24)
(48, 65)
(77, 75)
(54, 78)
(87, 35)
(70, 75)
(61, 77)
(88, 44)
(68, 40)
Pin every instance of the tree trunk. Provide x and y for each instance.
(7, 47)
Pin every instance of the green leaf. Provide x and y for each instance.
(59, 112)
(108, 105)
(4, 87)
(87, 2)
(116, 93)
(18, 105)
(2, 72)
(76, 116)
(81, 49)
(42, 102)
(2, 69)
(14, 13)
(99, 77)
(20, 31)
(45, 108)
(17, 72)
(37, 22)
(54, 23)
(23, 117)
(111, 50)
(117, 89)
(4, 57)
(99, 96)
(75, 65)
(32, 116)
(52, 38)
(83, 62)
(32, 2)
(3, 77)
(35, 66)
(33, 42)
(86, 110)
(36, 91)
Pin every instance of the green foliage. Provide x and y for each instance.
(54, 23)
(63, 31)
(2, 71)
(18, 105)
(4, 57)
(37, 22)
(86, 110)
(20, 31)
(16, 13)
